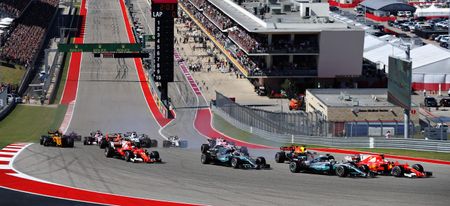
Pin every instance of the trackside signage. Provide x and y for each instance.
(399, 82)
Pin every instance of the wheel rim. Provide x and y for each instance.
(293, 167)
(234, 162)
(203, 159)
(339, 171)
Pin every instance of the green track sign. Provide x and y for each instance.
(100, 48)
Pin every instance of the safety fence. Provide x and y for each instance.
(306, 123)
(346, 142)
(298, 123)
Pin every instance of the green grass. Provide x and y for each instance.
(409, 153)
(10, 75)
(28, 123)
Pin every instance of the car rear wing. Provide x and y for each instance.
(287, 148)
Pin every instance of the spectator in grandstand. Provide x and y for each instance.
(22, 44)
(13, 7)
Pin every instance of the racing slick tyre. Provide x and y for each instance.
(261, 162)
(294, 167)
(109, 152)
(153, 143)
(280, 157)
(183, 143)
(397, 171)
(204, 148)
(128, 156)
(235, 163)
(205, 159)
(155, 155)
(167, 143)
(102, 144)
(41, 141)
(364, 168)
(85, 142)
(418, 167)
(146, 142)
(46, 142)
(341, 171)
(70, 142)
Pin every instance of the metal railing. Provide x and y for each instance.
(298, 123)
(345, 142)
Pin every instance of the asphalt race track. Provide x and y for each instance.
(110, 98)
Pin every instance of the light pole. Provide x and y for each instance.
(407, 111)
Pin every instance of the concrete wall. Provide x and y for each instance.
(341, 53)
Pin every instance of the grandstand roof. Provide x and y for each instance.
(424, 58)
(388, 5)
(288, 22)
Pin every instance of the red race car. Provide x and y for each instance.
(378, 164)
(125, 149)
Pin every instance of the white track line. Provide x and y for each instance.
(6, 158)
(12, 147)
(5, 167)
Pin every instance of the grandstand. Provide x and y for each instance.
(20, 43)
(271, 41)
(13, 8)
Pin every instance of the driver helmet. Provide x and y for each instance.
(133, 135)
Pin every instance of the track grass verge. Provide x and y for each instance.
(10, 75)
(28, 123)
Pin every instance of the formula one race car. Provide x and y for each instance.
(56, 138)
(94, 138)
(111, 137)
(125, 150)
(174, 141)
(293, 152)
(378, 164)
(141, 140)
(74, 136)
(221, 152)
(326, 164)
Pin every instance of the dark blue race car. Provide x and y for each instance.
(230, 155)
(326, 164)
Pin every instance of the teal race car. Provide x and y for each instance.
(230, 155)
(326, 164)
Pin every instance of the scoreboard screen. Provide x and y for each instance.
(164, 12)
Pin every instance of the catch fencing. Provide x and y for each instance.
(347, 142)
(297, 123)
(305, 123)
(316, 133)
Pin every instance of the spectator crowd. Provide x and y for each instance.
(13, 8)
(23, 42)
(214, 21)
